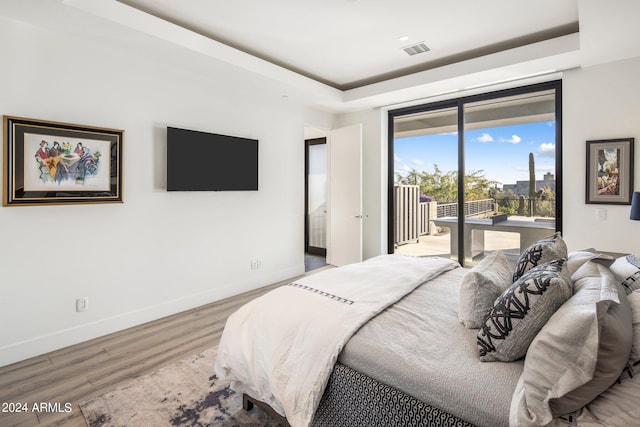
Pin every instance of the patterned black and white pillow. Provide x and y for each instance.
(522, 310)
(541, 252)
(627, 272)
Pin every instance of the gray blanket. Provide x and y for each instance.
(419, 346)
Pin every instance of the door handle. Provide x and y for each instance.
(358, 216)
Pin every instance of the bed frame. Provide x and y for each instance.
(249, 402)
(352, 399)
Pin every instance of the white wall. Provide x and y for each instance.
(599, 102)
(158, 253)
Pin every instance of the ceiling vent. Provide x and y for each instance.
(416, 49)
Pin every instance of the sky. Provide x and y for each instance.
(501, 152)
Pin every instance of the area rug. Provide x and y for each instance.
(186, 393)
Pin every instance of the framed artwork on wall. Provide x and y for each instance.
(60, 163)
(610, 171)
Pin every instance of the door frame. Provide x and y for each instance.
(459, 103)
(307, 248)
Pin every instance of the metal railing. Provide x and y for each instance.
(412, 217)
(406, 200)
(471, 208)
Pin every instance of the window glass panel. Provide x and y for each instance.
(425, 181)
(317, 191)
(509, 173)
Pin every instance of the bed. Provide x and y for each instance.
(411, 357)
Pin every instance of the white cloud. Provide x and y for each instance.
(547, 149)
(417, 162)
(396, 158)
(484, 138)
(515, 139)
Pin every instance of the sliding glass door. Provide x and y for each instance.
(425, 186)
(491, 160)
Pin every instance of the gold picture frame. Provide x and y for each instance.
(60, 163)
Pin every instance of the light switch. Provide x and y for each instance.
(601, 214)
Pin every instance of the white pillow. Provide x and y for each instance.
(616, 407)
(627, 271)
(577, 259)
(481, 286)
(634, 301)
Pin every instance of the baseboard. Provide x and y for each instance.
(43, 344)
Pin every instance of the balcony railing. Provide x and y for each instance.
(413, 218)
(471, 208)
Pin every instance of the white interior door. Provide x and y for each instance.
(344, 243)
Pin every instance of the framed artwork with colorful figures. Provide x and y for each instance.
(60, 163)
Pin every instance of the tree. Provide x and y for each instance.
(546, 206)
(443, 186)
(508, 202)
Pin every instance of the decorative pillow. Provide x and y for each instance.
(634, 302)
(522, 310)
(612, 355)
(619, 404)
(481, 286)
(541, 252)
(577, 259)
(627, 271)
(578, 354)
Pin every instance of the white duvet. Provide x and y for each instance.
(280, 348)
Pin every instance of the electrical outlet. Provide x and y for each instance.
(82, 304)
(256, 264)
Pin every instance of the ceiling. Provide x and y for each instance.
(351, 43)
(346, 55)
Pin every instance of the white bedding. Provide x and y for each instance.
(280, 348)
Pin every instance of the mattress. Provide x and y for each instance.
(419, 347)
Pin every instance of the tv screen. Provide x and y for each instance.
(201, 161)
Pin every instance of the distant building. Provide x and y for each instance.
(522, 187)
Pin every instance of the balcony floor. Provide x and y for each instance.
(440, 245)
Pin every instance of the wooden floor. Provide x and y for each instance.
(80, 372)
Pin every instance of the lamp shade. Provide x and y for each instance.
(635, 206)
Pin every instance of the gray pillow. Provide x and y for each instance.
(613, 351)
(481, 286)
(618, 405)
(541, 252)
(522, 310)
(579, 353)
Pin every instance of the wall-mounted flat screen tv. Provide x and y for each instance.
(202, 161)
